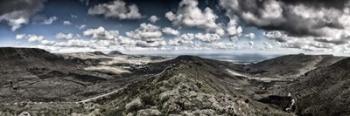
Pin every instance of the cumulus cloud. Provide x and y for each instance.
(50, 20)
(101, 33)
(189, 39)
(207, 37)
(153, 19)
(183, 39)
(233, 29)
(300, 24)
(116, 9)
(148, 35)
(295, 17)
(307, 43)
(67, 23)
(170, 31)
(82, 27)
(18, 12)
(64, 36)
(250, 35)
(189, 14)
(30, 37)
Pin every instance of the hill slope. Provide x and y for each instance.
(324, 91)
(30, 74)
(186, 85)
(41, 83)
(190, 86)
(291, 66)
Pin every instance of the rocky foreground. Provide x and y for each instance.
(35, 82)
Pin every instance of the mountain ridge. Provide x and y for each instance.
(185, 85)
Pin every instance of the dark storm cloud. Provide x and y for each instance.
(18, 12)
(297, 17)
(7, 6)
(302, 24)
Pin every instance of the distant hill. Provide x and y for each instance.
(291, 65)
(115, 53)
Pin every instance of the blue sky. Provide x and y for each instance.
(215, 25)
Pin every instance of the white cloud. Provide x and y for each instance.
(268, 45)
(30, 37)
(116, 9)
(147, 35)
(101, 33)
(47, 42)
(188, 39)
(250, 35)
(233, 29)
(16, 23)
(222, 45)
(207, 37)
(73, 16)
(171, 16)
(170, 31)
(20, 36)
(251, 44)
(64, 36)
(75, 43)
(189, 14)
(146, 32)
(183, 39)
(82, 27)
(307, 43)
(50, 20)
(67, 23)
(153, 19)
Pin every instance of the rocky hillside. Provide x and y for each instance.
(324, 91)
(187, 85)
(30, 74)
(36, 82)
(291, 66)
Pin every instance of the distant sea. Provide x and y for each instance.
(235, 58)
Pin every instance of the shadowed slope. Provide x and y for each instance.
(324, 91)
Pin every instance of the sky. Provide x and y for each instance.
(178, 26)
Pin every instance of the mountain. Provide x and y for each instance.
(291, 66)
(204, 78)
(115, 53)
(37, 82)
(324, 91)
(30, 74)
(188, 86)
